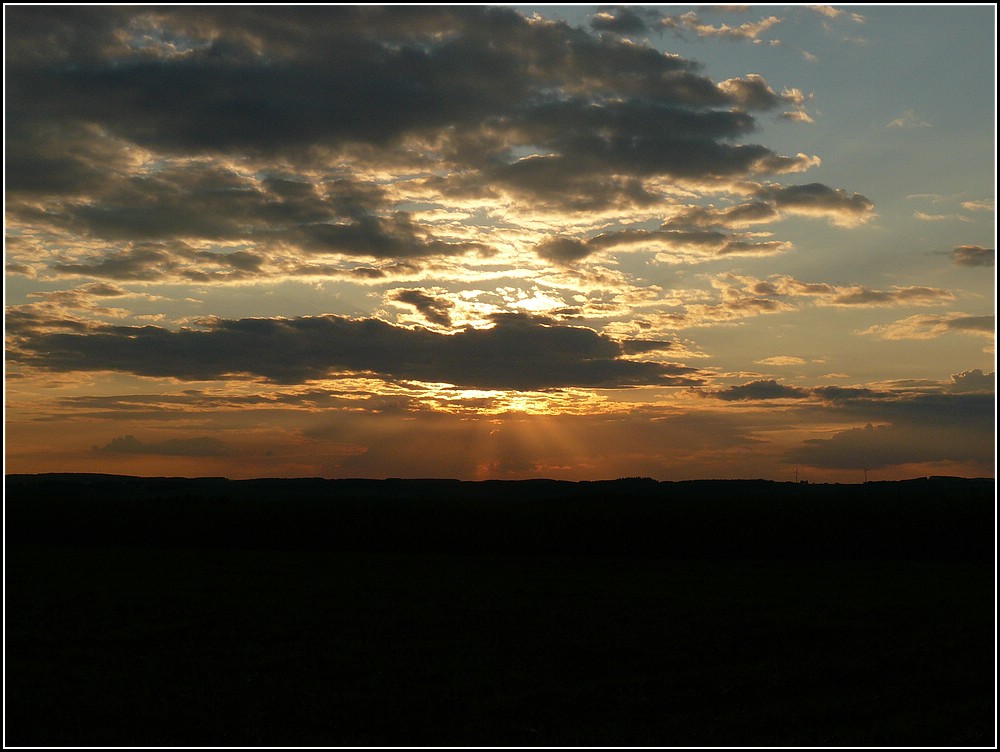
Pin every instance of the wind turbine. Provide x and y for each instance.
(866, 474)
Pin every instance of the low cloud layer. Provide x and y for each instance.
(201, 446)
(518, 352)
(765, 389)
(973, 255)
(950, 422)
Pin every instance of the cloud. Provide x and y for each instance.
(169, 212)
(973, 255)
(913, 295)
(163, 124)
(749, 31)
(772, 202)
(982, 205)
(973, 381)
(847, 394)
(908, 119)
(830, 12)
(929, 326)
(826, 10)
(139, 262)
(797, 116)
(671, 245)
(764, 389)
(639, 346)
(752, 92)
(825, 294)
(625, 20)
(738, 216)
(874, 447)
(781, 360)
(384, 72)
(928, 423)
(13, 267)
(435, 310)
(916, 427)
(818, 200)
(925, 217)
(395, 237)
(202, 446)
(563, 250)
(518, 352)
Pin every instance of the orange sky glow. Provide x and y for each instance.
(496, 242)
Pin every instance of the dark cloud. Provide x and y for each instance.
(884, 446)
(951, 423)
(944, 406)
(383, 72)
(736, 216)
(972, 323)
(637, 346)
(973, 255)
(563, 250)
(764, 389)
(596, 155)
(472, 87)
(845, 393)
(630, 154)
(361, 274)
(820, 200)
(27, 320)
(396, 236)
(207, 202)
(814, 199)
(518, 352)
(753, 93)
(922, 428)
(201, 446)
(59, 158)
(977, 411)
(237, 408)
(973, 381)
(700, 243)
(104, 290)
(81, 297)
(149, 261)
(435, 310)
(139, 262)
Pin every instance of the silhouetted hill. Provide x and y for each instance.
(924, 518)
(362, 613)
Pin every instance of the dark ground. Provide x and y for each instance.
(147, 612)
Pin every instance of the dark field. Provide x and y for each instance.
(272, 613)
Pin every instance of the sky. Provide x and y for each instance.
(573, 242)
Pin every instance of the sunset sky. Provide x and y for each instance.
(501, 242)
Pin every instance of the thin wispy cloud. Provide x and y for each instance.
(908, 119)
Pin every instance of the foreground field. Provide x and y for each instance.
(152, 644)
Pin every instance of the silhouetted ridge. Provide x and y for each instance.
(924, 518)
